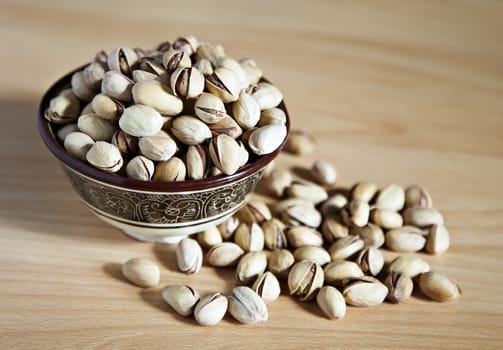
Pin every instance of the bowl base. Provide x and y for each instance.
(164, 240)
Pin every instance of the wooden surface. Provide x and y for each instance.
(403, 91)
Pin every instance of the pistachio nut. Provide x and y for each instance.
(209, 237)
(93, 74)
(211, 309)
(189, 256)
(324, 173)
(210, 52)
(305, 279)
(364, 191)
(197, 162)
(228, 227)
(209, 108)
(417, 196)
(228, 126)
(155, 94)
(438, 240)
(65, 130)
(246, 111)
(254, 211)
(153, 65)
(122, 60)
(250, 266)
(300, 214)
(247, 307)
(190, 130)
(225, 84)
(317, 254)
(409, 265)
(187, 82)
(274, 236)
(158, 147)
(244, 156)
(214, 171)
(307, 190)
(101, 57)
(80, 87)
(267, 287)
(267, 139)
(105, 156)
(249, 237)
(333, 205)
(77, 144)
(224, 254)
(174, 59)
(225, 153)
(187, 43)
(99, 129)
(356, 213)
(400, 287)
(117, 85)
(63, 108)
(370, 260)
(280, 262)
(171, 170)
(253, 72)
(331, 302)
(438, 287)
(333, 230)
(385, 218)
(339, 271)
(141, 75)
(233, 65)
(300, 236)
(272, 116)
(142, 272)
(278, 181)
(140, 121)
(346, 247)
(127, 144)
(279, 207)
(300, 143)
(106, 107)
(140, 168)
(267, 95)
(372, 235)
(204, 66)
(181, 298)
(422, 217)
(365, 291)
(405, 239)
(88, 109)
(392, 197)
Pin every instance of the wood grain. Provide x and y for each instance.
(395, 91)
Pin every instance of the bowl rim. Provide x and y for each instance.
(51, 141)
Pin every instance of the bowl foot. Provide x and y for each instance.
(150, 239)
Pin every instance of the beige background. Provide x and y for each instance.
(404, 91)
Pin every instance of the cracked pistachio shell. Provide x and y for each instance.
(187, 82)
(140, 168)
(392, 197)
(251, 265)
(280, 262)
(250, 67)
(249, 237)
(159, 147)
(364, 191)
(77, 144)
(80, 88)
(247, 307)
(346, 247)
(225, 153)
(187, 43)
(228, 126)
(106, 107)
(153, 65)
(122, 60)
(225, 84)
(338, 271)
(197, 162)
(299, 236)
(127, 144)
(93, 74)
(142, 75)
(140, 121)
(209, 237)
(405, 239)
(155, 94)
(300, 143)
(272, 116)
(409, 265)
(105, 156)
(307, 190)
(210, 52)
(254, 211)
(333, 205)
(117, 85)
(63, 108)
(417, 196)
(438, 287)
(65, 130)
(324, 173)
(438, 240)
(305, 279)
(332, 230)
(422, 217)
(317, 254)
(356, 213)
(228, 227)
(267, 95)
(365, 291)
(99, 129)
(204, 66)
(190, 130)
(305, 215)
(142, 272)
(233, 65)
(278, 181)
(171, 170)
(331, 302)
(370, 260)
(189, 256)
(211, 309)
(224, 254)
(174, 59)
(181, 298)
(267, 287)
(267, 139)
(246, 111)
(371, 234)
(400, 287)
(209, 108)
(274, 236)
(385, 218)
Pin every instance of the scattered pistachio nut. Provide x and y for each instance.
(365, 291)
(331, 302)
(356, 213)
(224, 254)
(299, 236)
(278, 181)
(317, 254)
(400, 287)
(392, 198)
(386, 219)
(370, 260)
(346, 247)
(211, 309)
(332, 207)
(181, 298)
(249, 237)
(247, 307)
(417, 196)
(339, 271)
(371, 234)
(189, 256)
(364, 191)
(307, 190)
(409, 265)
(305, 279)
(209, 237)
(438, 287)
(305, 215)
(251, 265)
(280, 262)
(405, 239)
(267, 287)
(438, 240)
(300, 143)
(274, 235)
(142, 272)
(324, 173)
(422, 217)
(333, 230)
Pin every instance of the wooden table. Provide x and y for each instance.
(405, 92)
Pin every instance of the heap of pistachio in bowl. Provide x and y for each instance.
(165, 142)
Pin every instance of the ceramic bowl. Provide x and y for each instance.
(147, 210)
